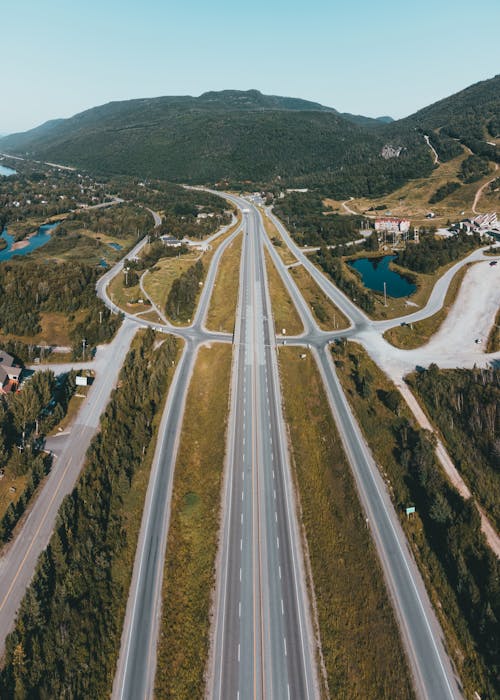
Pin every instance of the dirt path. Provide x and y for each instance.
(434, 152)
(446, 462)
(480, 191)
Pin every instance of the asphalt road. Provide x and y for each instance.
(135, 674)
(19, 558)
(422, 636)
(262, 637)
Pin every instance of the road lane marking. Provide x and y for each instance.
(284, 642)
(282, 607)
(42, 523)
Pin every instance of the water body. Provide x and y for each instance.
(116, 246)
(375, 271)
(6, 172)
(37, 241)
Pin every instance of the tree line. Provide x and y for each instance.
(67, 635)
(182, 297)
(25, 418)
(465, 406)
(432, 253)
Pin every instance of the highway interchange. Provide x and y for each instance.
(263, 642)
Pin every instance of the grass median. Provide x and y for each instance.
(194, 526)
(222, 311)
(277, 240)
(362, 652)
(284, 312)
(328, 316)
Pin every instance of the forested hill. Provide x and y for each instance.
(242, 137)
(470, 117)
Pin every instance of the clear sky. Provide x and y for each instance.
(362, 56)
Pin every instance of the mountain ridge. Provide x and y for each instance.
(239, 136)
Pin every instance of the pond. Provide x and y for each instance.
(29, 244)
(116, 246)
(375, 271)
(6, 172)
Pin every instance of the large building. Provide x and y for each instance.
(392, 225)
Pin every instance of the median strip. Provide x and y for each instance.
(189, 577)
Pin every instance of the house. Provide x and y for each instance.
(171, 241)
(9, 373)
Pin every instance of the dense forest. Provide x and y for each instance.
(303, 215)
(66, 640)
(465, 406)
(28, 289)
(25, 418)
(432, 252)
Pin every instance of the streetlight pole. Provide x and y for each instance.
(84, 342)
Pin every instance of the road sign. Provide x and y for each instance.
(410, 510)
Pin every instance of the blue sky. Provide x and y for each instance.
(367, 57)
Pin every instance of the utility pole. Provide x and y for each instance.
(100, 317)
(385, 293)
(84, 342)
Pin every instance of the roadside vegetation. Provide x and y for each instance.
(493, 344)
(189, 576)
(361, 646)
(184, 292)
(26, 417)
(67, 635)
(460, 571)
(408, 336)
(284, 312)
(276, 239)
(222, 311)
(328, 316)
(421, 264)
(464, 406)
(38, 300)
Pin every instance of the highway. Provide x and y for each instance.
(262, 636)
(135, 674)
(421, 633)
(263, 642)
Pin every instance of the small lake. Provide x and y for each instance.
(375, 271)
(6, 171)
(36, 241)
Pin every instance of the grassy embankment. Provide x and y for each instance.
(189, 576)
(403, 305)
(493, 344)
(159, 281)
(56, 327)
(380, 426)
(362, 650)
(412, 336)
(284, 312)
(328, 316)
(277, 240)
(412, 199)
(222, 311)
